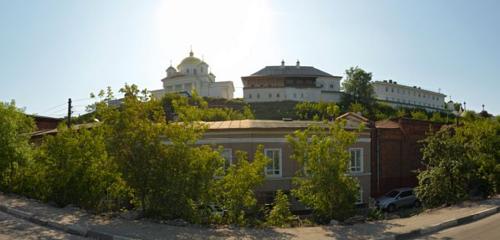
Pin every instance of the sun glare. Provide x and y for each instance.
(224, 32)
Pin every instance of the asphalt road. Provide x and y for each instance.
(15, 228)
(486, 228)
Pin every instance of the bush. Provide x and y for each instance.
(280, 215)
(77, 170)
(235, 190)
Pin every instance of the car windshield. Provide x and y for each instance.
(392, 194)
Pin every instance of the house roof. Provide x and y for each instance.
(269, 124)
(261, 124)
(294, 71)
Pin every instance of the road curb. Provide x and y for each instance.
(443, 225)
(73, 229)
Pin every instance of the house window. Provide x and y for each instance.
(227, 154)
(356, 163)
(194, 71)
(331, 85)
(273, 169)
(386, 89)
(270, 95)
(178, 87)
(294, 95)
(187, 70)
(249, 95)
(277, 95)
(258, 95)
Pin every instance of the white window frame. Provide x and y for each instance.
(360, 162)
(280, 162)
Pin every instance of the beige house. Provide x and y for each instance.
(246, 135)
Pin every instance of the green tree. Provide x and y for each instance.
(358, 88)
(317, 111)
(77, 170)
(323, 184)
(436, 117)
(419, 115)
(168, 174)
(15, 150)
(280, 215)
(459, 162)
(236, 189)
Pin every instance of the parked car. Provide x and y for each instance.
(396, 198)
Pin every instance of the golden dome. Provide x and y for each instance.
(190, 60)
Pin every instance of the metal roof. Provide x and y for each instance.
(262, 124)
(291, 71)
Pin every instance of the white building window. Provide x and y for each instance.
(270, 95)
(356, 163)
(227, 154)
(273, 169)
(258, 95)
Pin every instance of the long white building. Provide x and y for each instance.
(291, 83)
(193, 74)
(398, 95)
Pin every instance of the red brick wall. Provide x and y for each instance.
(397, 154)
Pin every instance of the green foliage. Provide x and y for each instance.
(460, 162)
(77, 170)
(436, 117)
(15, 150)
(419, 115)
(168, 178)
(358, 88)
(323, 183)
(235, 191)
(317, 111)
(196, 108)
(375, 214)
(356, 107)
(280, 215)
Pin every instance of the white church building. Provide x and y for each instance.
(194, 74)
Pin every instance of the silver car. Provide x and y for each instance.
(399, 197)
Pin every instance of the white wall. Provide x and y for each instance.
(402, 95)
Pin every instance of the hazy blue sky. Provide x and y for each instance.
(53, 50)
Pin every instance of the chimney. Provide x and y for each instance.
(298, 64)
(283, 63)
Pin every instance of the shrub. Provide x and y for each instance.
(280, 215)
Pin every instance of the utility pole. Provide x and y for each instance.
(69, 112)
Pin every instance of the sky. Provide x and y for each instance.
(52, 50)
